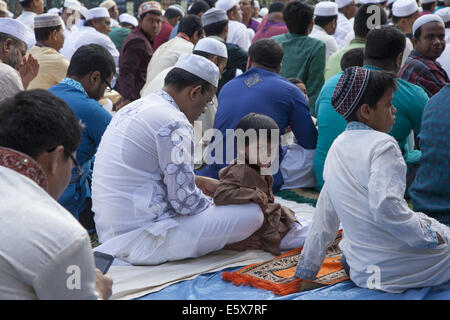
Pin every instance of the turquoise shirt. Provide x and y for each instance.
(409, 100)
(333, 65)
(304, 59)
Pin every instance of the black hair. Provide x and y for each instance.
(127, 25)
(42, 34)
(295, 81)
(198, 6)
(322, 21)
(353, 58)
(379, 82)
(36, 120)
(172, 13)
(396, 19)
(211, 3)
(190, 24)
(384, 44)
(277, 6)
(298, 15)
(180, 79)
(16, 41)
(26, 3)
(90, 58)
(216, 28)
(257, 121)
(266, 52)
(428, 6)
(362, 16)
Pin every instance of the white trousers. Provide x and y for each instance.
(190, 237)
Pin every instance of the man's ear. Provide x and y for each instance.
(279, 69)
(49, 161)
(310, 27)
(195, 91)
(414, 42)
(94, 77)
(398, 60)
(8, 46)
(364, 112)
(249, 63)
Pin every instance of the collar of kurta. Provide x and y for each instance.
(184, 36)
(355, 125)
(168, 98)
(417, 55)
(358, 40)
(74, 84)
(23, 164)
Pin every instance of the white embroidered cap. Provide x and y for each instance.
(178, 8)
(213, 15)
(3, 6)
(427, 18)
(199, 66)
(97, 13)
(47, 20)
(226, 4)
(128, 18)
(18, 30)
(72, 4)
(212, 46)
(326, 9)
(444, 14)
(343, 3)
(404, 8)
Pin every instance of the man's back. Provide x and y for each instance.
(265, 92)
(41, 245)
(304, 59)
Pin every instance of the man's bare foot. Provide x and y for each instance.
(251, 243)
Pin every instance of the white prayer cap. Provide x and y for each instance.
(97, 13)
(392, 1)
(149, 6)
(404, 8)
(326, 9)
(428, 1)
(128, 18)
(53, 11)
(256, 4)
(212, 46)
(3, 6)
(213, 15)
(343, 3)
(47, 20)
(72, 4)
(178, 8)
(444, 14)
(16, 29)
(199, 66)
(108, 4)
(263, 12)
(226, 4)
(426, 19)
(83, 11)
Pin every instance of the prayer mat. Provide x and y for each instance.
(300, 195)
(277, 275)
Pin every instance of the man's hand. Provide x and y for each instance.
(28, 70)
(103, 285)
(207, 185)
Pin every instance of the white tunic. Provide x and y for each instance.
(10, 81)
(238, 34)
(88, 35)
(27, 18)
(444, 59)
(167, 56)
(147, 207)
(364, 186)
(344, 31)
(319, 33)
(41, 245)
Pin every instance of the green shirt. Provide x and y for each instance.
(118, 36)
(333, 66)
(304, 59)
(409, 100)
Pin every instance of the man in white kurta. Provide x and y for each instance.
(87, 35)
(148, 209)
(344, 31)
(386, 245)
(326, 9)
(237, 31)
(10, 81)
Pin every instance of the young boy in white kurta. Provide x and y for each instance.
(385, 245)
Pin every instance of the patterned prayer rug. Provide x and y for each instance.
(277, 274)
(300, 195)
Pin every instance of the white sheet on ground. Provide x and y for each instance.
(135, 281)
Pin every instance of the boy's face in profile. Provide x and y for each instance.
(382, 118)
(259, 153)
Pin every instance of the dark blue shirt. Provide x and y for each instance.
(262, 91)
(95, 119)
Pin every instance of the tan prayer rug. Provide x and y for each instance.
(277, 275)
